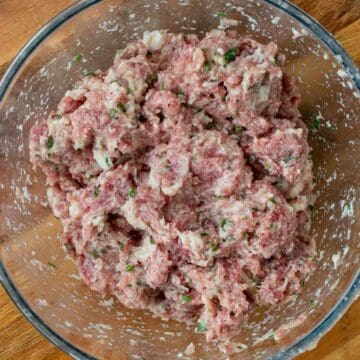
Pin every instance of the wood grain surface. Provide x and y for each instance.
(19, 20)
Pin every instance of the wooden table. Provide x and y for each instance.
(18, 21)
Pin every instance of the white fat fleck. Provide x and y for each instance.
(335, 259)
(341, 73)
(136, 85)
(299, 204)
(296, 34)
(226, 23)
(289, 131)
(75, 277)
(347, 208)
(101, 156)
(75, 93)
(106, 303)
(334, 285)
(326, 56)
(42, 302)
(144, 251)
(74, 209)
(153, 39)
(130, 215)
(345, 251)
(275, 20)
(192, 241)
(190, 349)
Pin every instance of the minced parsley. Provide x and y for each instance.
(95, 254)
(207, 65)
(230, 55)
(315, 125)
(114, 113)
(132, 193)
(224, 224)
(214, 247)
(78, 57)
(204, 234)
(152, 78)
(122, 107)
(222, 14)
(289, 159)
(200, 328)
(50, 142)
(90, 73)
(121, 245)
(129, 268)
(272, 200)
(152, 241)
(52, 265)
(96, 191)
(186, 298)
(239, 129)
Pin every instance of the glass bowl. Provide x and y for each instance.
(78, 320)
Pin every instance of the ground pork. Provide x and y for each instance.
(182, 178)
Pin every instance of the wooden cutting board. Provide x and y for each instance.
(19, 20)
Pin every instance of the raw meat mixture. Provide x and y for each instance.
(182, 178)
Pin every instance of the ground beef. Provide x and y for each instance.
(182, 178)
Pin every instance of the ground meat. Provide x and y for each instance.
(182, 178)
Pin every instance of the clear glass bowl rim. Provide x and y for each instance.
(353, 291)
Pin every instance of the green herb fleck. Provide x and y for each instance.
(222, 14)
(312, 304)
(230, 55)
(272, 200)
(121, 245)
(90, 73)
(78, 57)
(91, 176)
(132, 193)
(152, 241)
(129, 268)
(315, 125)
(122, 107)
(230, 238)
(95, 254)
(239, 129)
(107, 160)
(140, 282)
(200, 328)
(114, 113)
(214, 247)
(289, 159)
(204, 234)
(50, 142)
(207, 65)
(128, 91)
(271, 335)
(114, 81)
(152, 78)
(224, 224)
(96, 191)
(187, 277)
(186, 299)
(52, 265)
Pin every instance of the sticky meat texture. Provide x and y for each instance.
(182, 178)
